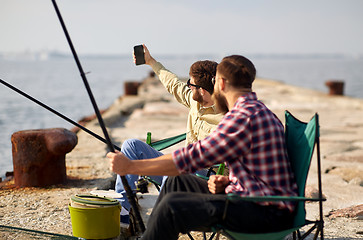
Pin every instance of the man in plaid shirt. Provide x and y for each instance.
(250, 140)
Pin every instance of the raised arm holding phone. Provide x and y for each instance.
(203, 117)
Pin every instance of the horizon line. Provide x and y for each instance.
(54, 54)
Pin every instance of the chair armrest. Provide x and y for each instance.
(167, 142)
(201, 176)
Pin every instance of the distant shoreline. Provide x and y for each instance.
(47, 55)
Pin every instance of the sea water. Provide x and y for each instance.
(56, 82)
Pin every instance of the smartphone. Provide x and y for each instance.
(139, 54)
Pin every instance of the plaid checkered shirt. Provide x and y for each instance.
(250, 140)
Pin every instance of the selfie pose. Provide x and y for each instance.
(250, 139)
(196, 95)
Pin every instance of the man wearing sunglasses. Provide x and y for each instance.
(203, 117)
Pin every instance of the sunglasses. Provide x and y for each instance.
(197, 86)
(191, 84)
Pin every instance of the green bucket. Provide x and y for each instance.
(95, 217)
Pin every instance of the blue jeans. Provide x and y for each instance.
(135, 149)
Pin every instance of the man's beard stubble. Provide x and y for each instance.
(220, 102)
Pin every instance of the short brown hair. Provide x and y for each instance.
(238, 70)
(203, 72)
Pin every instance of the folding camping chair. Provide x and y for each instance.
(301, 138)
(168, 142)
(165, 143)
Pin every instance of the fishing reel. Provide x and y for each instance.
(141, 185)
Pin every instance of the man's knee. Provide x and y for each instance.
(178, 178)
(129, 144)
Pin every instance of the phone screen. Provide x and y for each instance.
(139, 54)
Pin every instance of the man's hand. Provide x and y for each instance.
(119, 163)
(217, 183)
(149, 60)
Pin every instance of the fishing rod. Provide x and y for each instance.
(129, 193)
(56, 113)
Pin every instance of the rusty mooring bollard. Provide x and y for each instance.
(39, 156)
(335, 87)
(131, 88)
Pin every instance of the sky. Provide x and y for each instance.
(185, 27)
